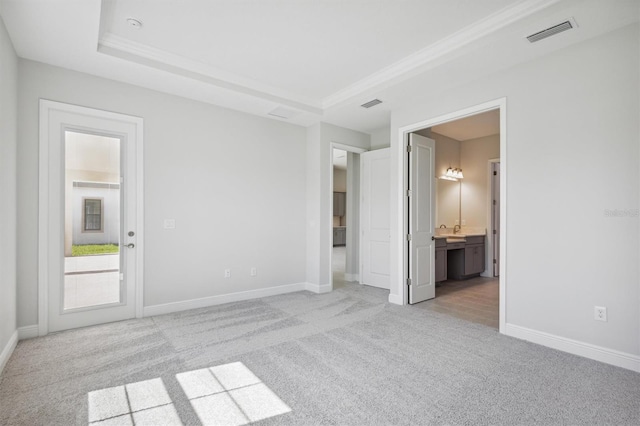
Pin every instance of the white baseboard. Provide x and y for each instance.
(28, 332)
(204, 302)
(8, 350)
(352, 277)
(395, 299)
(317, 288)
(587, 350)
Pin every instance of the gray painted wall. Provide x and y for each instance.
(227, 178)
(572, 150)
(8, 188)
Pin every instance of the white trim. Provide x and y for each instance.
(205, 302)
(587, 350)
(395, 299)
(400, 254)
(488, 272)
(318, 288)
(352, 277)
(28, 332)
(7, 351)
(123, 48)
(421, 60)
(43, 202)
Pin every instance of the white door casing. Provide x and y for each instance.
(495, 217)
(421, 219)
(55, 119)
(375, 198)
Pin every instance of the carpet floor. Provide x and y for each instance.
(342, 358)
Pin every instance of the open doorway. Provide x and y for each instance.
(339, 220)
(467, 243)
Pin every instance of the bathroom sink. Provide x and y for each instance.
(455, 239)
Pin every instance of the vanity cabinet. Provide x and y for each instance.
(441, 259)
(339, 236)
(466, 259)
(339, 203)
(474, 256)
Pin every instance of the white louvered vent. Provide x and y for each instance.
(551, 31)
(371, 103)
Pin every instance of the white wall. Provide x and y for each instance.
(227, 178)
(8, 190)
(381, 138)
(474, 161)
(572, 151)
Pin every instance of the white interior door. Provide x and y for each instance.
(421, 219)
(375, 192)
(495, 217)
(90, 217)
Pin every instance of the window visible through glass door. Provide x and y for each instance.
(92, 221)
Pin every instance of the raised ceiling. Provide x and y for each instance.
(309, 60)
(472, 127)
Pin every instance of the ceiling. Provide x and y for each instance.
(339, 159)
(310, 60)
(472, 127)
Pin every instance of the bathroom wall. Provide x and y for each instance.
(474, 158)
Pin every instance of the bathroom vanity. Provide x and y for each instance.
(459, 256)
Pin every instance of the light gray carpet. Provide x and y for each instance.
(343, 358)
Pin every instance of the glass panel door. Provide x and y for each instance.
(92, 218)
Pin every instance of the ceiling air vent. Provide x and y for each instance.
(371, 103)
(556, 29)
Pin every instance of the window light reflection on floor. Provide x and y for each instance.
(230, 394)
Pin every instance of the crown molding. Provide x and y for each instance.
(120, 47)
(425, 58)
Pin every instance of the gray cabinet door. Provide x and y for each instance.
(441, 264)
(474, 259)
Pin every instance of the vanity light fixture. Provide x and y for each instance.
(453, 174)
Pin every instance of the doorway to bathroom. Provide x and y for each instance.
(463, 273)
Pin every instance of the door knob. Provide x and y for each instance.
(131, 245)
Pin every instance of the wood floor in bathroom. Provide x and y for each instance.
(474, 300)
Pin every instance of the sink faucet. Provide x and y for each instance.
(443, 226)
(456, 229)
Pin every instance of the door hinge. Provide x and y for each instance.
(408, 148)
(409, 281)
(494, 202)
(408, 193)
(495, 232)
(121, 277)
(495, 173)
(408, 237)
(494, 261)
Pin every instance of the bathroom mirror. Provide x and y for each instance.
(447, 202)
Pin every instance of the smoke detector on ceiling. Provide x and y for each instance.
(371, 103)
(553, 30)
(135, 23)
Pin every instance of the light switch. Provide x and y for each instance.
(169, 224)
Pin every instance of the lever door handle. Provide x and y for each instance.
(131, 245)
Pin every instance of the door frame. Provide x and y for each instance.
(490, 222)
(401, 259)
(46, 106)
(355, 150)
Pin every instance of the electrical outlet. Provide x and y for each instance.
(169, 224)
(600, 313)
(227, 273)
(254, 272)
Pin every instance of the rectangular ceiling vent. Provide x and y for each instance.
(551, 31)
(371, 103)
